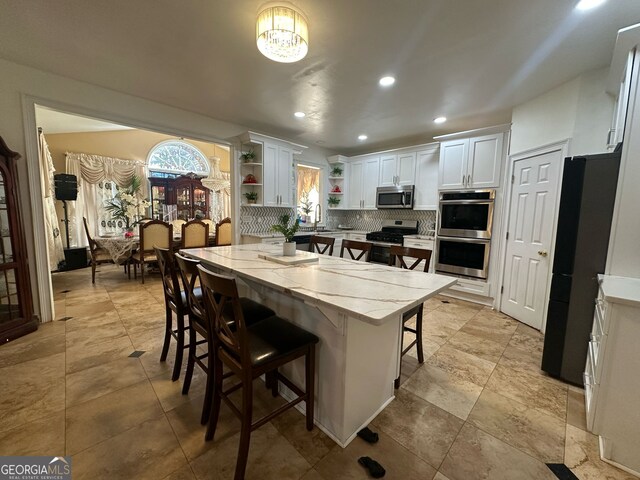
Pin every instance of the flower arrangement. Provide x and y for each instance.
(126, 204)
(284, 228)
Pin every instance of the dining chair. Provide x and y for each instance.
(177, 224)
(195, 233)
(175, 303)
(321, 245)
(199, 324)
(352, 246)
(401, 256)
(154, 233)
(98, 254)
(223, 232)
(249, 351)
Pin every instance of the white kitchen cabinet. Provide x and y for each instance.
(426, 178)
(362, 183)
(277, 165)
(471, 162)
(425, 244)
(396, 170)
(612, 386)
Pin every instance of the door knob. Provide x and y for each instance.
(542, 253)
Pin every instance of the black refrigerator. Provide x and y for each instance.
(584, 224)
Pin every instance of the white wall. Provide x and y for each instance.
(78, 97)
(579, 109)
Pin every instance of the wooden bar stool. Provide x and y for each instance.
(419, 254)
(199, 325)
(250, 351)
(321, 245)
(175, 301)
(353, 245)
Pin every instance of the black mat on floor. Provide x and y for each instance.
(562, 471)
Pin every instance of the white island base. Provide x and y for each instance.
(356, 363)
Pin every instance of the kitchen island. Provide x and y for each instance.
(355, 308)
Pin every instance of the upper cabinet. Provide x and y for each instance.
(266, 170)
(397, 169)
(426, 179)
(471, 162)
(363, 181)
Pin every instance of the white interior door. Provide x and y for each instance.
(532, 213)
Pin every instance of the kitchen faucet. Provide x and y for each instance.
(316, 216)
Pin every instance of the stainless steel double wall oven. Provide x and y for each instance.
(464, 232)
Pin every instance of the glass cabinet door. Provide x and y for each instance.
(158, 199)
(199, 203)
(184, 202)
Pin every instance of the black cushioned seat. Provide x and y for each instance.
(274, 337)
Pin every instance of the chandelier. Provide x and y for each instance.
(282, 34)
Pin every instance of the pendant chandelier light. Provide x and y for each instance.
(282, 34)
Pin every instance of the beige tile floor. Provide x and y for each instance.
(478, 408)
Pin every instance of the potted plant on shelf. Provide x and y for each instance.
(336, 171)
(333, 201)
(251, 197)
(248, 157)
(283, 227)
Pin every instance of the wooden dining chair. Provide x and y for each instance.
(250, 351)
(401, 256)
(177, 224)
(195, 233)
(199, 325)
(351, 246)
(97, 254)
(223, 232)
(175, 303)
(322, 245)
(154, 233)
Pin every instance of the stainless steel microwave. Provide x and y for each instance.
(395, 197)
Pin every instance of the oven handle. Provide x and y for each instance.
(484, 201)
(465, 240)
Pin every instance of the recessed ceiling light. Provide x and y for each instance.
(387, 81)
(439, 119)
(589, 4)
(362, 137)
(300, 114)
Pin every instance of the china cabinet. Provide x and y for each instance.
(185, 191)
(16, 310)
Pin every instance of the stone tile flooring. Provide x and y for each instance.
(478, 408)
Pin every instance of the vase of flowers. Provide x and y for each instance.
(283, 227)
(127, 205)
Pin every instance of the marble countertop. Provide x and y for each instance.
(321, 232)
(620, 289)
(370, 292)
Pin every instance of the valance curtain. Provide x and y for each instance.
(97, 179)
(52, 224)
(308, 179)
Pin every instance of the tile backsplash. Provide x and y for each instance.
(260, 219)
(371, 220)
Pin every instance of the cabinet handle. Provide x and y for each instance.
(469, 181)
(464, 180)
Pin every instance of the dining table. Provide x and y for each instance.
(354, 307)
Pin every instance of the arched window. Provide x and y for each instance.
(177, 157)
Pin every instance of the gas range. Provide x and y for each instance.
(393, 232)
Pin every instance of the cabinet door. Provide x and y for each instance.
(285, 159)
(453, 164)
(406, 171)
(388, 170)
(426, 193)
(356, 170)
(269, 176)
(485, 160)
(370, 181)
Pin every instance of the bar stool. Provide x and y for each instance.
(250, 351)
(200, 325)
(419, 254)
(175, 302)
(353, 245)
(321, 245)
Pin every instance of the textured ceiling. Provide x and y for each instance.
(470, 60)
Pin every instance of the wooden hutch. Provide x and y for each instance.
(184, 191)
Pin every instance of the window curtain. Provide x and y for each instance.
(220, 184)
(309, 190)
(51, 222)
(99, 179)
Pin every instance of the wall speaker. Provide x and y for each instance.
(66, 186)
